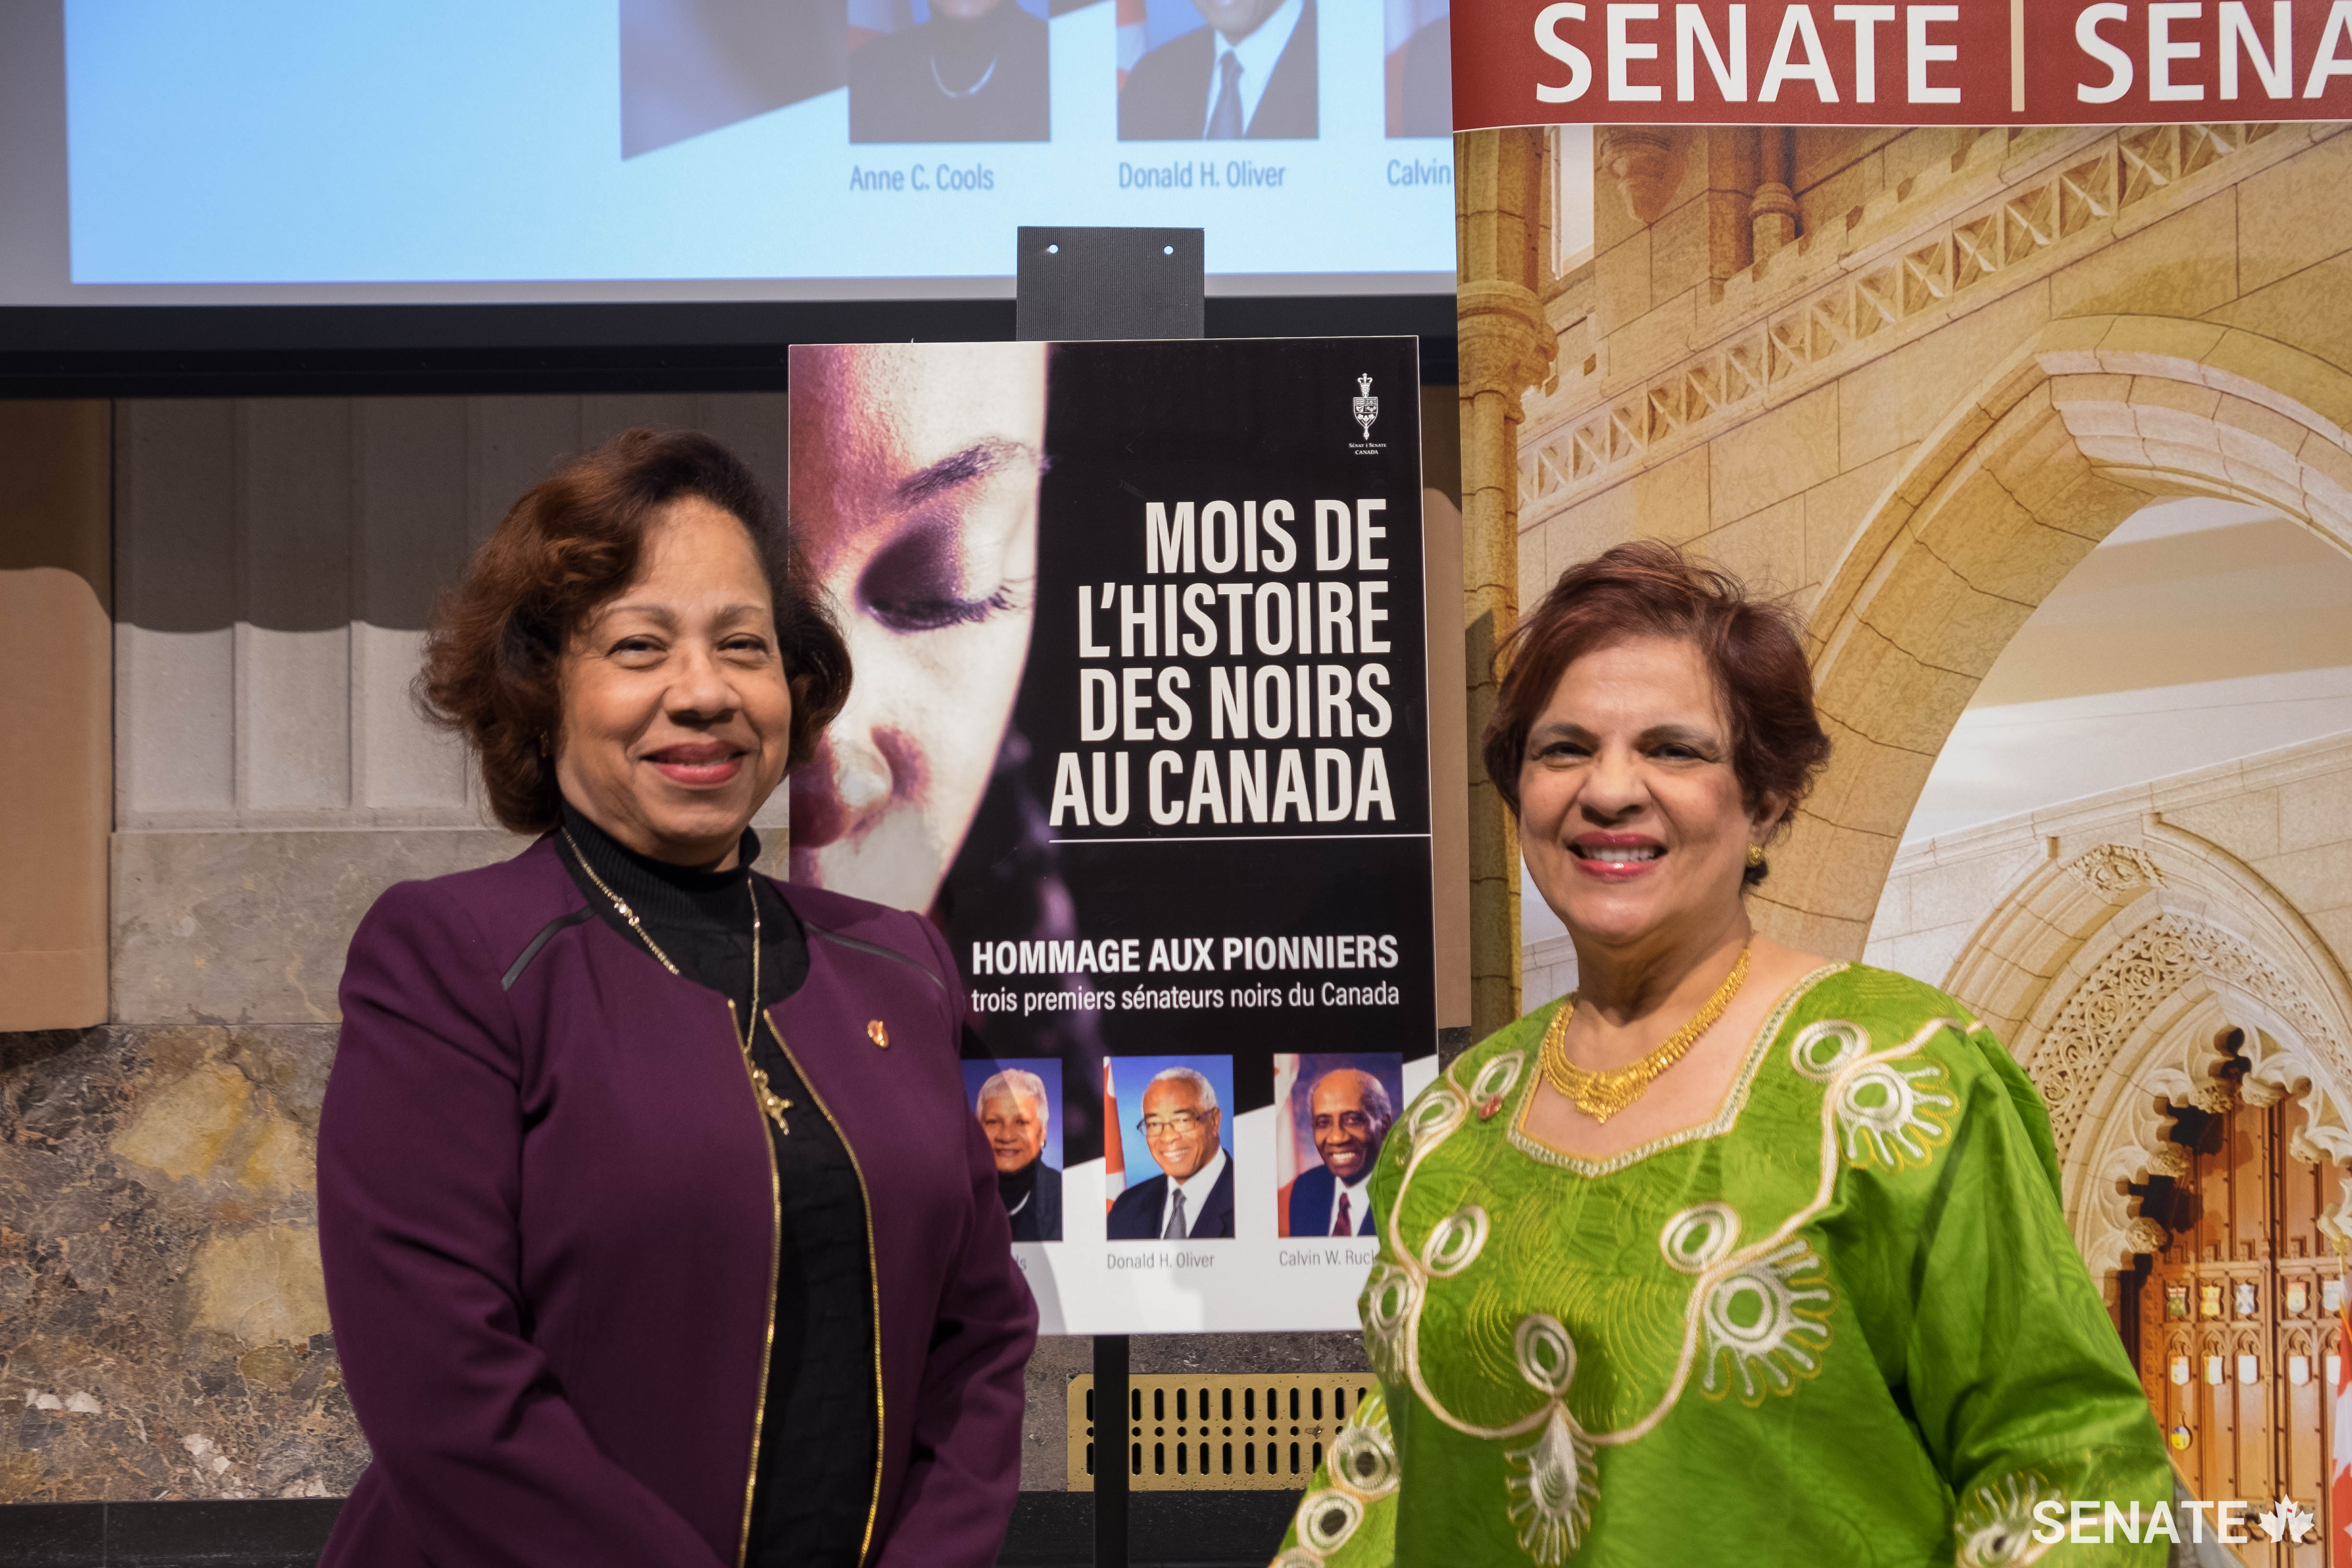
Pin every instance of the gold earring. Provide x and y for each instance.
(1755, 855)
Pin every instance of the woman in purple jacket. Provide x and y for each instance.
(655, 1229)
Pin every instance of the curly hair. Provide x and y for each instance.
(1648, 588)
(496, 643)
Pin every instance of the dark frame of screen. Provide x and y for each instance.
(241, 351)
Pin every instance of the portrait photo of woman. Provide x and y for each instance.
(656, 1225)
(1736, 1253)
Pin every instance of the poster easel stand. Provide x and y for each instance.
(1076, 285)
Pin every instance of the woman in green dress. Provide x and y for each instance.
(1737, 1255)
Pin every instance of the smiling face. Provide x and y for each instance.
(1630, 813)
(1016, 1134)
(914, 493)
(1347, 1134)
(1182, 1136)
(677, 716)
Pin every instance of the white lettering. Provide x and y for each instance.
(2162, 51)
(1691, 39)
(1167, 540)
(1162, 812)
(1623, 50)
(2325, 65)
(1920, 54)
(2119, 64)
(1796, 27)
(1579, 63)
(1865, 20)
(2277, 68)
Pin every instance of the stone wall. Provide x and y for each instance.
(2285, 815)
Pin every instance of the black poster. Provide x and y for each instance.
(1192, 901)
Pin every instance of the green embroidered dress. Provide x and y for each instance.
(1842, 1323)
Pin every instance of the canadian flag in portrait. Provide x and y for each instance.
(1114, 1150)
(2340, 1473)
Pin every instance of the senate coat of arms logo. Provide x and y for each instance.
(1366, 407)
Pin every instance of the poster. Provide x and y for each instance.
(1141, 723)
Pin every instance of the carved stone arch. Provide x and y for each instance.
(2114, 974)
(2098, 419)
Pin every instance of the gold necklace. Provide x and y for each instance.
(772, 1104)
(1601, 1095)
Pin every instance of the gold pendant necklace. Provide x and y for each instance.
(1601, 1095)
(772, 1104)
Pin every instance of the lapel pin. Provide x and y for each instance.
(879, 1033)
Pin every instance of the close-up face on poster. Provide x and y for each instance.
(1157, 763)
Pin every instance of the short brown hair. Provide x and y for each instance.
(569, 546)
(1647, 588)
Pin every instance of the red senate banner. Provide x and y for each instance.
(1974, 62)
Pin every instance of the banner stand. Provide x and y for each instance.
(1093, 284)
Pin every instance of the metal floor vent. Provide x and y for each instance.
(1195, 1432)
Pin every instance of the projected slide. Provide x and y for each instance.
(798, 141)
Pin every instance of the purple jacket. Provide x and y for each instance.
(548, 1216)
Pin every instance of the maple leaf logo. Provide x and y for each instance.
(2285, 1522)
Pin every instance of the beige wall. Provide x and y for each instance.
(55, 596)
(2285, 815)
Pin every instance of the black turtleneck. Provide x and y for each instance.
(814, 1478)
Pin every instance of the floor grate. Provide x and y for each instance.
(1197, 1433)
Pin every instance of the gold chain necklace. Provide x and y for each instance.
(1601, 1095)
(772, 1104)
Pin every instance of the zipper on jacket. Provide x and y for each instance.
(873, 1283)
(775, 1248)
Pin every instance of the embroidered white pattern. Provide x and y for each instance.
(1885, 1106)
(1880, 1104)
(1995, 1526)
(1700, 1237)
(1363, 1469)
(1391, 1295)
(1553, 1490)
(1455, 1243)
(1767, 1319)
(1498, 1076)
(1327, 1518)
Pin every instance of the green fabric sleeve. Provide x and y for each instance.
(2012, 1369)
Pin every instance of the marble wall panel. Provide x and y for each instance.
(163, 1328)
(231, 927)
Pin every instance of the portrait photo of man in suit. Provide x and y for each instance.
(1015, 1110)
(1251, 73)
(1192, 1196)
(1349, 1112)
